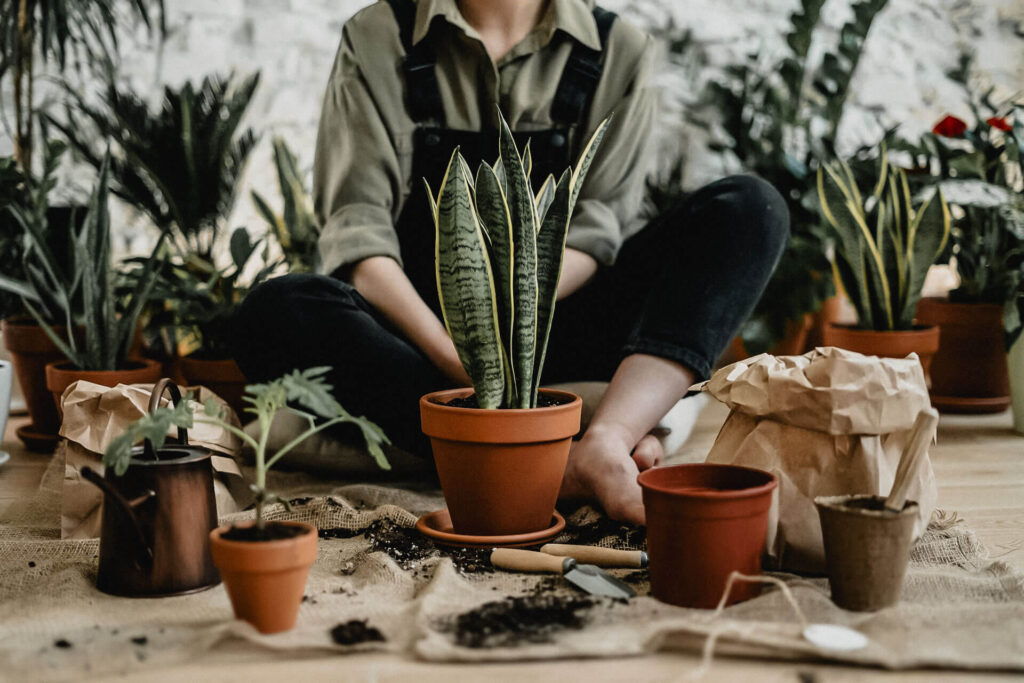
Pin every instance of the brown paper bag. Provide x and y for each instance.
(95, 415)
(828, 423)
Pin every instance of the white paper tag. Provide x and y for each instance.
(832, 637)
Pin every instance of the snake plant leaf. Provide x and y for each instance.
(499, 171)
(926, 239)
(527, 160)
(465, 286)
(492, 208)
(543, 200)
(851, 247)
(579, 174)
(432, 201)
(550, 252)
(523, 216)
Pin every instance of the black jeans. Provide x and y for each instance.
(679, 289)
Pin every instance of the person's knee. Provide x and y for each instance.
(760, 212)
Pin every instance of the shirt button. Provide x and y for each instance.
(433, 139)
(557, 139)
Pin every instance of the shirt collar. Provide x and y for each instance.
(574, 17)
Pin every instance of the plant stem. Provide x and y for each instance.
(302, 437)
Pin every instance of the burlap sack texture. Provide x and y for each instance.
(392, 590)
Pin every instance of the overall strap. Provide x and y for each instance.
(423, 93)
(581, 75)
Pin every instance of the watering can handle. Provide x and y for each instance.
(144, 553)
(165, 385)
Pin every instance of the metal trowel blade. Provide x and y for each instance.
(598, 582)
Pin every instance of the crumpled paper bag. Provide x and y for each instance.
(94, 415)
(828, 423)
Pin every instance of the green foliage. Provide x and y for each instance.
(305, 393)
(296, 228)
(885, 244)
(499, 256)
(780, 116)
(179, 164)
(12, 192)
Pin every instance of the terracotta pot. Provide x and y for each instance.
(222, 377)
(866, 550)
(1016, 362)
(969, 371)
(31, 349)
(829, 313)
(266, 579)
(500, 470)
(705, 521)
(923, 341)
(793, 344)
(60, 375)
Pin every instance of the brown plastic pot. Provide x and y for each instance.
(61, 375)
(704, 522)
(31, 350)
(265, 580)
(222, 377)
(866, 550)
(500, 470)
(969, 371)
(924, 341)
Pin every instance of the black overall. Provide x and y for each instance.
(434, 141)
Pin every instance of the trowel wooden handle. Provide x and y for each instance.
(526, 560)
(914, 452)
(596, 555)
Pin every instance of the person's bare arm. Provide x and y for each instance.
(385, 285)
(577, 270)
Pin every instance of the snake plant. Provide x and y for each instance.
(885, 244)
(499, 251)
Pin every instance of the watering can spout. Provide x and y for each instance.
(143, 550)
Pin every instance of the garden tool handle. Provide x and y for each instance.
(530, 561)
(165, 385)
(910, 460)
(598, 556)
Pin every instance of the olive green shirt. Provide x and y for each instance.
(363, 167)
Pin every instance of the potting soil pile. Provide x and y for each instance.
(378, 585)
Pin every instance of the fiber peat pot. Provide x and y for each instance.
(31, 350)
(265, 580)
(922, 340)
(222, 377)
(969, 372)
(705, 521)
(1016, 363)
(61, 375)
(500, 470)
(866, 549)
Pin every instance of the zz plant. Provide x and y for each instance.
(499, 251)
(885, 244)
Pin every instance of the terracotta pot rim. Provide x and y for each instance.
(216, 535)
(918, 330)
(464, 392)
(645, 477)
(131, 365)
(946, 301)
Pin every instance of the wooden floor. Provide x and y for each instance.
(979, 465)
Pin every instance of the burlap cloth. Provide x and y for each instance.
(958, 609)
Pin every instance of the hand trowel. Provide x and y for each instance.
(584, 576)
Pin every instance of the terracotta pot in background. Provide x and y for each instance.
(793, 344)
(969, 372)
(31, 350)
(1016, 363)
(266, 579)
(60, 375)
(704, 522)
(222, 377)
(888, 344)
(831, 312)
(500, 470)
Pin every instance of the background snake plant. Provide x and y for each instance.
(498, 256)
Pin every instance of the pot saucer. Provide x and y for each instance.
(37, 442)
(437, 526)
(971, 406)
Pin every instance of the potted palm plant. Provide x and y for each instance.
(885, 245)
(296, 229)
(502, 446)
(263, 563)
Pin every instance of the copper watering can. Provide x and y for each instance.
(157, 518)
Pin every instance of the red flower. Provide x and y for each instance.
(1000, 123)
(950, 127)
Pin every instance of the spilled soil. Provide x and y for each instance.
(355, 632)
(514, 621)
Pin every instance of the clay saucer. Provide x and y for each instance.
(38, 442)
(971, 406)
(437, 526)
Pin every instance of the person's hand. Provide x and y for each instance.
(451, 366)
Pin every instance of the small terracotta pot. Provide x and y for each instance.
(61, 375)
(500, 470)
(973, 331)
(923, 341)
(31, 350)
(705, 521)
(265, 579)
(866, 550)
(222, 377)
